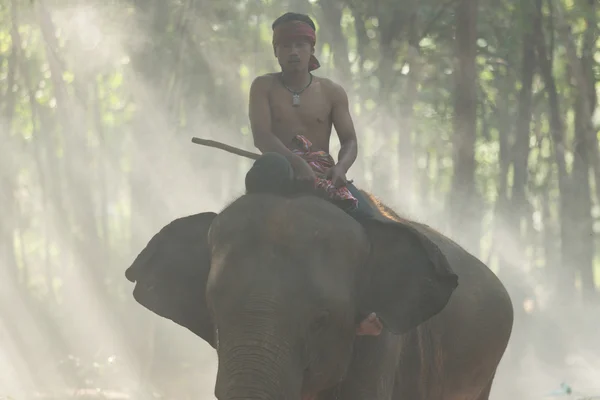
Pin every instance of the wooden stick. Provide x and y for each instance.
(226, 147)
(230, 149)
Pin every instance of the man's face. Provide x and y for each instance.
(294, 55)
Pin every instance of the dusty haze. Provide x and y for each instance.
(99, 101)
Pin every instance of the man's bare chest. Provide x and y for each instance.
(313, 108)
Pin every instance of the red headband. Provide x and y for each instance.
(296, 30)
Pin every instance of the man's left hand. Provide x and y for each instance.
(337, 175)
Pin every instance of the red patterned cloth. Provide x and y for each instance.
(321, 161)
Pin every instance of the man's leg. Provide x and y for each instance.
(271, 173)
(364, 209)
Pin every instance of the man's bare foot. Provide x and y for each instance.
(370, 326)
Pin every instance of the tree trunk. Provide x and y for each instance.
(9, 162)
(504, 244)
(332, 11)
(581, 249)
(520, 149)
(463, 201)
(405, 150)
(515, 215)
(71, 117)
(563, 277)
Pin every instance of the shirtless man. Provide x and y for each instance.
(295, 102)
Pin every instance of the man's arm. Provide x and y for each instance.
(342, 121)
(260, 120)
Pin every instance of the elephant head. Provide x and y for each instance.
(278, 286)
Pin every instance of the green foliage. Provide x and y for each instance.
(86, 141)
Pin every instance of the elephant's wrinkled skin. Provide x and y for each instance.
(289, 279)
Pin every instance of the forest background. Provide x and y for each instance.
(477, 117)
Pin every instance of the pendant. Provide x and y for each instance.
(296, 99)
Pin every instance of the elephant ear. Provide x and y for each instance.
(171, 273)
(410, 278)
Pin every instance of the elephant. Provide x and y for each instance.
(285, 287)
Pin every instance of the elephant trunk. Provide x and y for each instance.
(257, 370)
(257, 352)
